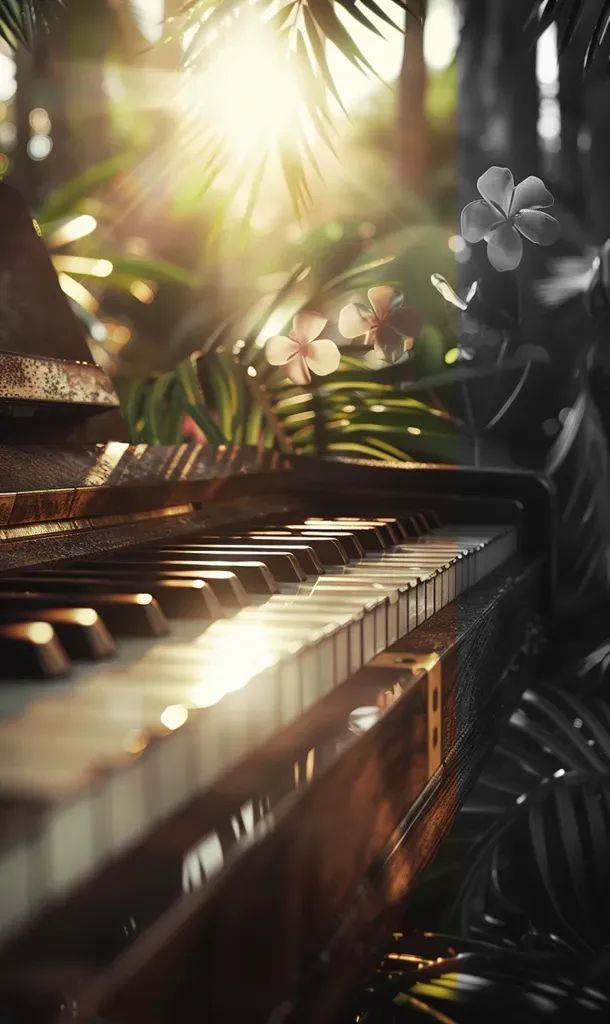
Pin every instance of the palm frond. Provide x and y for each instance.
(20, 20)
(568, 15)
(445, 979)
(302, 34)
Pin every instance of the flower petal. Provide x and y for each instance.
(505, 248)
(323, 356)
(407, 322)
(478, 219)
(279, 350)
(496, 186)
(298, 371)
(355, 320)
(447, 292)
(389, 345)
(307, 325)
(530, 193)
(382, 299)
(191, 431)
(539, 227)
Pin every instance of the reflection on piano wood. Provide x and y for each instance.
(241, 698)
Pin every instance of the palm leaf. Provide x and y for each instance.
(303, 32)
(445, 979)
(20, 20)
(568, 15)
(66, 200)
(541, 865)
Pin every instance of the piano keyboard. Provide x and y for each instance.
(128, 684)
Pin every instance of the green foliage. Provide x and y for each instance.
(302, 32)
(20, 20)
(75, 250)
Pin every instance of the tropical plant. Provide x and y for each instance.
(20, 20)
(568, 16)
(444, 979)
(230, 391)
(519, 892)
(76, 223)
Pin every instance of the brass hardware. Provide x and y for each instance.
(417, 664)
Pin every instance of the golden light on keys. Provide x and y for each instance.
(40, 632)
(236, 659)
(174, 716)
(206, 694)
(85, 616)
(242, 657)
(135, 742)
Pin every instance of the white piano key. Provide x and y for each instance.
(17, 900)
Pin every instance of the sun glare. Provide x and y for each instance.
(441, 34)
(247, 93)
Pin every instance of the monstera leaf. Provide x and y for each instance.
(535, 834)
(532, 909)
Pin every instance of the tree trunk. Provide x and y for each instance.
(412, 125)
(572, 113)
(597, 100)
(471, 108)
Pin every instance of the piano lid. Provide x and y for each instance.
(35, 318)
(49, 384)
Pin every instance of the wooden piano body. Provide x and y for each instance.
(264, 894)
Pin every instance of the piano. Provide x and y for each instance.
(242, 692)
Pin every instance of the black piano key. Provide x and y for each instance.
(178, 599)
(364, 529)
(128, 615)
(281, 565)
(81, 630)
(386, 524)
(412, 526)
(252, 573)
(330, 552)
(397, 527)
(225, 585)
(253, 576)
(31, 650)
(303, 552)
(423, 520)
(150, 580)
(349, 542)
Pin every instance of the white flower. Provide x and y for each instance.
(303, 351)
(388, 326)
(505, 213)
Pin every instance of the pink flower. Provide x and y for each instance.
(303, 352)
(190, 430)
(505, 213)
(388, 326)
